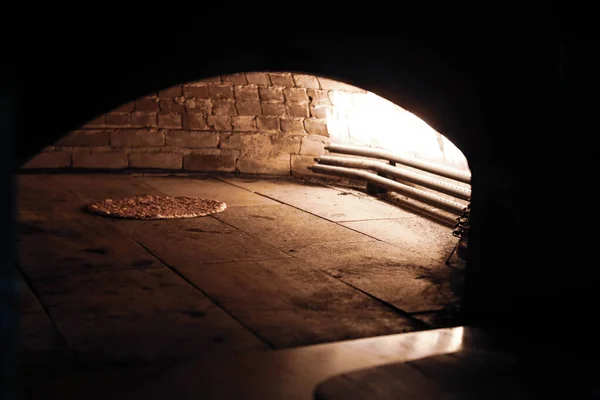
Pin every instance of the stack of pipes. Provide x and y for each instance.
(383, 173)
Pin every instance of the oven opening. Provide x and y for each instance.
(345, 217)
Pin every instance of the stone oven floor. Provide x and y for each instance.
(289, 263)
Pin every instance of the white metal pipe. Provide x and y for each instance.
(443, 187)
(447, 172)
(389, 184)
(441, 216)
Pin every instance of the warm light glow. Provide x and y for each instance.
(367, 119)
(442, 341)
(346, 356)
(456, 340)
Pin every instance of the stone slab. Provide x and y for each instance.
(289, 303)
(140, 316)
(207, 187)
(194, 241)
(334, 205)
(287, 227)
(386, 272)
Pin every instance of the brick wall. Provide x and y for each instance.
(265, 123)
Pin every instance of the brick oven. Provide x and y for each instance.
(290, 258)
(488, 88)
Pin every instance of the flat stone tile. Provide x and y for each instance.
(94, 187)
(38, 339)
(39, 197)
(257, 184)
(385, 271)
(286, 227)
(427, 318)
(208, 188)
(289, 303)
(196, 241)
(421, 209)
(67, 247)
(436, 320)
(28, 302)
(140, 315)
(418, 237)
(334, 205)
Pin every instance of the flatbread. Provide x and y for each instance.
(156, 207)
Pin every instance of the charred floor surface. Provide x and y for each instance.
(288, 263)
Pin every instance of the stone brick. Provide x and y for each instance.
(211, 160)
(127, 107)
(194, 121)
(246, 92)
(318, 96)
(330, 84)
(211, 79)
(338, 129)
(143, 120)
(118, 119)
(281, 79)
(232, 140)
(170, 106)
(271, 166)
(172, 121)
(196, 139)
(136, 138)
(173, 91)
(51, 159)
(301, 163)
(271, 93)
(258, 78)
(272, 109)
(268, 124)
(147, 104)
(224, 107)
(235, 79)
(219, 122)
(85, 138)
(312, 146)
(198, 106)
(106, 160)
(285, 145)
(196, 91)
(296, 95)
(251, 145)
(249, 107)
(243, 123)
(306, 81)
(320, 111)
(298, 110)
(221, 91)
(98, 122)
(340, 99)
(363, 100)
(289, 125)
(156, 160)
(315, 126)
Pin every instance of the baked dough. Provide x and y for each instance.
(156, 207)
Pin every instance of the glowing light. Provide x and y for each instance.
(345, 356)
(456, 339)
(367, 119)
